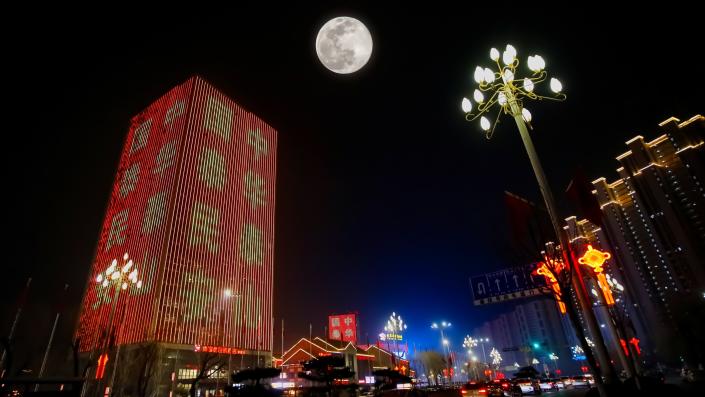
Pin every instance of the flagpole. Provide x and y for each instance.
(51, 339)
(16, 320)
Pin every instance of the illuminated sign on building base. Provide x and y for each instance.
(217, 349)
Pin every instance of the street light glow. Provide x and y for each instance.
(484, 123)
(489, 76)
(479, 98)
(508, 75)
(536, 63)
(526, 114)
(466, 105)
(509, 55)
(479, 75)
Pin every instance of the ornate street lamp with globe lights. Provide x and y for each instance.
(496, 357)
(553, 357)
(503, 87)
(395, 326)
(119, 278)
(446, 343)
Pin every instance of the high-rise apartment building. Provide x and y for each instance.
(654, 218)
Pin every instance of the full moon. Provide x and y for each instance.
(344, 45)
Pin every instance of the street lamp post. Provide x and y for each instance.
(471, 342)
(554, 358)
(446, 343)
(396, 326)
(121, 278)
(509, 92)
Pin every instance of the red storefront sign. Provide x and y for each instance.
(342, 327)
(217, 349)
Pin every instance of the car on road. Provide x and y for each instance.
(528, 385)
(546, 385)
(558, 383)
(480, 389)
(567, 381)
(580, 381)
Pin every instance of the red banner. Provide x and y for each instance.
(342, 327)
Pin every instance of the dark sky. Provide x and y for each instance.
(387, 199)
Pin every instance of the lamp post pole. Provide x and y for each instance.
(121, 278)
(576, 275)
(484, 356)
(444, 341)
(509, 91)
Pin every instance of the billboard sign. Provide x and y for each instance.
(342, 327)
(507, 284)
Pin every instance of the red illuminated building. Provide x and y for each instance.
(193, 205)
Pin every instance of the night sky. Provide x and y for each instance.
(387, 199)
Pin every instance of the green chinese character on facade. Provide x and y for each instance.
(176, 110)
(165, 157)
(251, 244)
(129, 179)
(218, 118)
(154, 213)
(197, 295)
(204, 226)
(118, 225)
(102, 295)
(254, 189)
(257, 141)
(139, 139)
(212, 169)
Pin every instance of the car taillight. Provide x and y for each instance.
(464, 392)
(505, 385)
(482, 391)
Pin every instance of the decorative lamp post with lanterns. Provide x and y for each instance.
(503, 90)
(395, 326)
(119, 278)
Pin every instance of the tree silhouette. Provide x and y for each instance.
(388, 379)
(252, 381)
(209, 364)
(326, 370)
(255, 375)
(432, 361)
